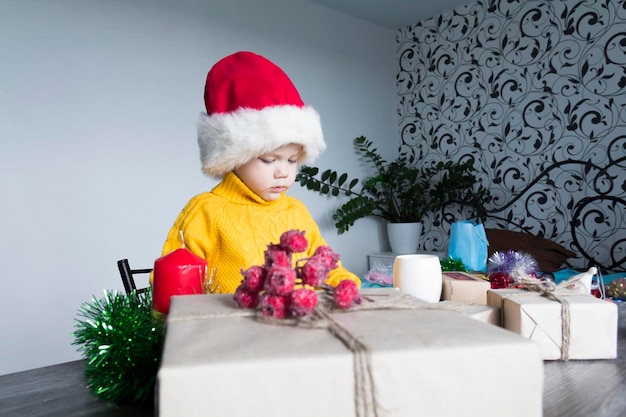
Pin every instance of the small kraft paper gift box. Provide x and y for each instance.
(590, 322)
(459, 286)
(480, 312)
(220, 360)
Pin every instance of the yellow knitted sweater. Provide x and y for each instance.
(231, 227)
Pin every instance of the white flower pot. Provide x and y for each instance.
(404, 237)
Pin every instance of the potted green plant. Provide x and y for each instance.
(398, 192)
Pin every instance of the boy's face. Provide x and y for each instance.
(271, 174)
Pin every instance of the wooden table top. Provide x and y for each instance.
(595, 388)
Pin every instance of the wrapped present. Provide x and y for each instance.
(480, 312)
(220, 360)
(589, 324)
(460, 286)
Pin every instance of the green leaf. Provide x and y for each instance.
(401, 190)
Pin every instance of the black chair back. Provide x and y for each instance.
(128, 276)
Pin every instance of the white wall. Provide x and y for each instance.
(98, 154)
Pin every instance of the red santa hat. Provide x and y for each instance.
(252, 108)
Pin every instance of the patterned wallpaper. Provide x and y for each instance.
(535, 93)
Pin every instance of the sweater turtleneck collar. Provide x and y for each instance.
(233, 189)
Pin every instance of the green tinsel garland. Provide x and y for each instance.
(122, 344)
(453, 264)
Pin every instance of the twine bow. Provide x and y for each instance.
(555, 292)
(366, 403)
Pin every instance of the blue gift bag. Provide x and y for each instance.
(468, 242)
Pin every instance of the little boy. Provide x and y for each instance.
(254, 134)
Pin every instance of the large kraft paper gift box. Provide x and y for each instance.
(592, 323)
(220, 361)
(460, 286)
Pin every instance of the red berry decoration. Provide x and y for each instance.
(280, 280)
(314, 271)
(279, 290)
(346, 294)
(293, 241)
(274, 305)
(328, 256)
(499, 280)
(303, 301)
(275, 255)
(245, 298)
(253, 279)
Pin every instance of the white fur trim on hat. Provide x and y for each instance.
(229, 140)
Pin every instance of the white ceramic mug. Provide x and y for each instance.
(418, 275)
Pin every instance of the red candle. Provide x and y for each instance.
(178, 273)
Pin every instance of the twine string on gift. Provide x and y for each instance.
(365, 401)
(555, 292)
(365, 390)
(211, 316)
(366, 404)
